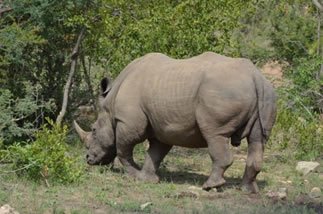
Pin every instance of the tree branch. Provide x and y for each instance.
(75, 51)
(25, 167)
(3, 10)
(87, 77)
(74, 55)
(318, 4)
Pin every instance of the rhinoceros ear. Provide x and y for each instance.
(105, 86)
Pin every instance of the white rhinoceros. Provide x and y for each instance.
(198, 102)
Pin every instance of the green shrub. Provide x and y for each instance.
(307, 89)
(279, 30)
(292, 131)
(45, 158)
(17, 121)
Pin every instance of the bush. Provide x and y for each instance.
(279, 30)
(292, 131)
(306, 91)
(46, 158)
(17, 121)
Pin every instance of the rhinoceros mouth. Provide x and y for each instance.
(104, 161)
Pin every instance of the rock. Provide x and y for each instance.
(287, 182)
(195, 188)
(6, 209)
(143, 206)
(281, 194)
(306, 167)
(315, 192)
(306, 181)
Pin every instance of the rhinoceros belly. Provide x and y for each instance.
(179, 135)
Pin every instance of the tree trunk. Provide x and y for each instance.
(74, 56)
(319, 5)
(88, 78)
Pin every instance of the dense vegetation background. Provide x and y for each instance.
(42, 42)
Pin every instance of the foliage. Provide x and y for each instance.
(279, 30)
(292, 131)
(180, 29)
(306, 92)
(46, 157)
(36, 45)
(15, 112)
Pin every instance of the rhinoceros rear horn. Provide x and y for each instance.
(83, 134)
(105, 86)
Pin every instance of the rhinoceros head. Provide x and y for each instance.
(100, 142)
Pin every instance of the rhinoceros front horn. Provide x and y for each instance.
(83, 134)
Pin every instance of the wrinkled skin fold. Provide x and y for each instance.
(203, 101)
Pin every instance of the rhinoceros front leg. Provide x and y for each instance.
(125, 155)
(126, 141)
(256, 143)
(154, 156)
(221, 157)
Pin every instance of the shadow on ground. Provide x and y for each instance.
(192, 178)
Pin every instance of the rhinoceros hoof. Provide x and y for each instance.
(149, 177)
(235, 144)
(250, 187)
(210, 183)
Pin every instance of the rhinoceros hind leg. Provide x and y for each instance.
(154, 156)
(256, 143)
(221, 159)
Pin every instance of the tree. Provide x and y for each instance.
(319, 5)
(36, 41)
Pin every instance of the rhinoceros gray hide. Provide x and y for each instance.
(198, 102)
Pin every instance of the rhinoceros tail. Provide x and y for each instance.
(267, 108)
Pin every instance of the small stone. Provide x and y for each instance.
(195, 188)
(6, 209)
(287, 182)
(306, 181)
(143, 206)
(315, 192)
(281, 194)
(306, 167)
(214, 190)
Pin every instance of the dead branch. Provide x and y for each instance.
(17, 170)
(3, 10)
(87, 77)
(74, 56)
(318, 4)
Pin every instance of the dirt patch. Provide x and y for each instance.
(306, 200)
(274, 72)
